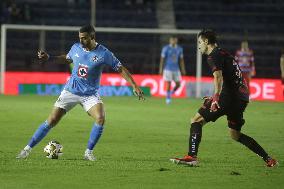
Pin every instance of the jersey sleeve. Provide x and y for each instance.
(164, 52)
(112, 61)
(214, 62)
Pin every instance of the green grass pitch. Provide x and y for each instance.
(134, 151)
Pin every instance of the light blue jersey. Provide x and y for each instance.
(172, 56)
(88, 67)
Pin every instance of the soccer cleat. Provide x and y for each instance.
(270, 162)
(187, 160)
(89, 155)
(23, 154)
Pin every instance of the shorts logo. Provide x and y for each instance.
(83, 71)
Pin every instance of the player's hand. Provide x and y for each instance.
(206, 98)
(138, 92)
(215, 103)
(42, 56)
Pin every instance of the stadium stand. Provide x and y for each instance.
(260, 21)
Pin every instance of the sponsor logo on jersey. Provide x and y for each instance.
(82, 71)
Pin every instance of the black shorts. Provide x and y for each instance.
(232, 108)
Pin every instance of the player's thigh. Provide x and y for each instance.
(208, 115)
(94, 106)
(168, 75)
(177, 84)
(235, 115)
(98, 113)
(197, 118)
(67, 100)
(55, 116)
(177, 76)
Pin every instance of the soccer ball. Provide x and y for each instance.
(53, 150)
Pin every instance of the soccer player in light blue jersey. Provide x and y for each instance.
(88, 58)
(172, 66)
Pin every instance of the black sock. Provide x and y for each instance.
(253, 146)
(194, 138)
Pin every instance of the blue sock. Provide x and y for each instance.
(39, 134)
(95, 135)
(169, 94)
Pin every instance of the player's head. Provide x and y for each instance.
(205, 39)
(87, 35)
(244, 45)
(173, 40)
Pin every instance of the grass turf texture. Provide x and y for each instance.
(136, 145)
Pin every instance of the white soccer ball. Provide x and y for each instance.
(53, 150)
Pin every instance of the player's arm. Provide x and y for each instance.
(127, 76)
(218, 82)
(61, 59)
(162, 60)
(182, 66)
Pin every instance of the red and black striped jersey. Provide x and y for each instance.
(233, 81)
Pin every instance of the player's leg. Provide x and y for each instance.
(177, 85)
(52, 120)
(167, 76)
(193, 143)
(64, 103)
(203, 116)
(246, 76)
(95, 108)
(97, 112)
(42, 130)
(195, 134)
(177, 79)
(168, 91)
(235, 123)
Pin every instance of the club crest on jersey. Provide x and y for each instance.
(82, 71)
(95, 59)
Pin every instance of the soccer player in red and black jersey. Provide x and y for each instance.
(230, 98)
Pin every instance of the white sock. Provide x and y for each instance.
(88, 151)
(28, 148)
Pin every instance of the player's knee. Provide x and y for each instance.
(236, 125)
(177, 85)
(197, 119)
(53, 120)
(235, 135)
(168, 86)
(100, 120)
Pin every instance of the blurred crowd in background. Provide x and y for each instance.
(260, 22)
